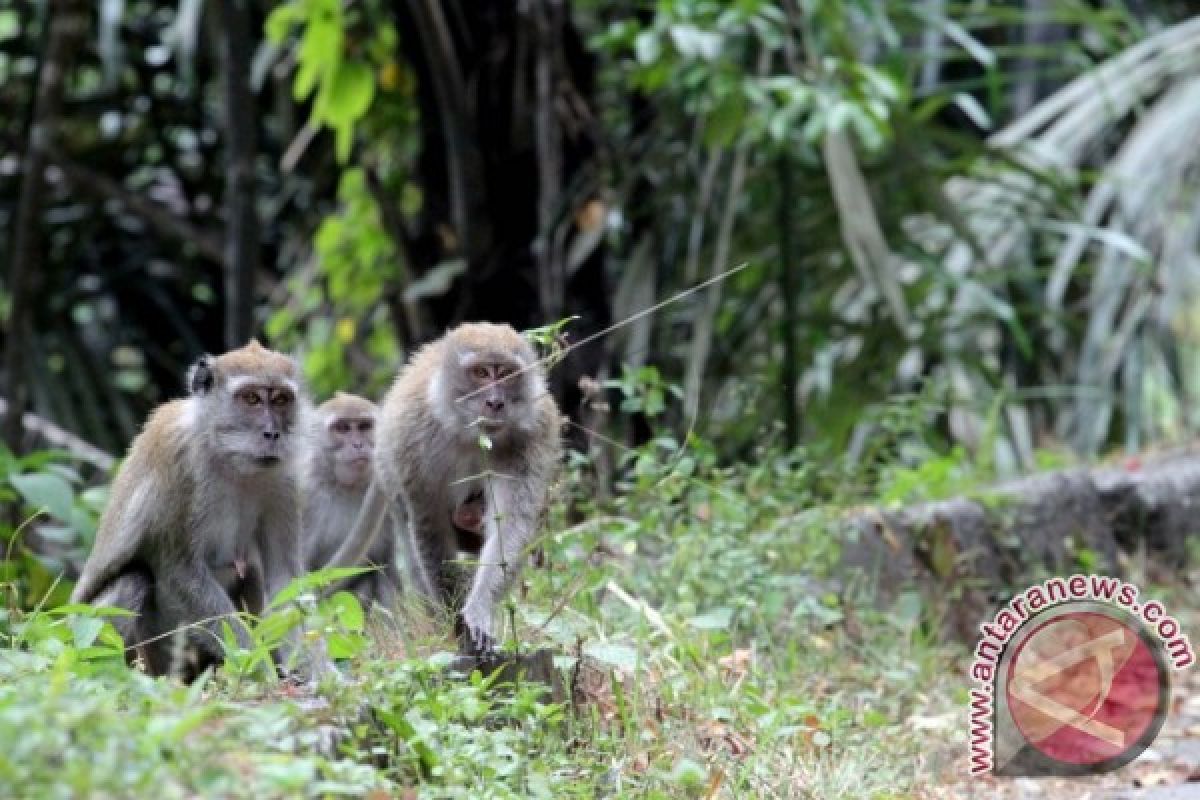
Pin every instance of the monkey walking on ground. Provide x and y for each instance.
(202, 521)
(467, 429)
(337, 471)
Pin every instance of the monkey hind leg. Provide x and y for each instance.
(384, 588)
(133, 591)
(149, 637)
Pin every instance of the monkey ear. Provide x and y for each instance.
(200, 378)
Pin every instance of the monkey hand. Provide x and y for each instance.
(474, 633)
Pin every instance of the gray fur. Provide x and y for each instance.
(202, 521)
(429, 460)
(332, 503)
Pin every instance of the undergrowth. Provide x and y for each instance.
(705, 650)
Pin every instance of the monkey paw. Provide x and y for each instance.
(474, 639)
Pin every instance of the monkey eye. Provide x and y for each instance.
(480, 373)
(250, 398)
(365, 426)
(281, 400)
(341, 426)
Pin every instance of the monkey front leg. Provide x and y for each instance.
(280, 548)
(508, 528)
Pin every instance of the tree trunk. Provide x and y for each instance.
(508, 168)
(241, 212)
(66, 21)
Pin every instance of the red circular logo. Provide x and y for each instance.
(1084, 688)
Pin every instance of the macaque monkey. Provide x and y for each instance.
(468, 523)
(202, 521)
(467, 431)
(338, 470)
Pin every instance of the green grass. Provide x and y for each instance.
(711, 656)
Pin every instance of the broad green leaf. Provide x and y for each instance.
(615, 655)
(351, 89)
(342, 644)
(46, 490)
(85, 630)
(348, 610)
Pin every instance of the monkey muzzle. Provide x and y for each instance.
(492, 420)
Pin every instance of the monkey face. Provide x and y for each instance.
(493, 392)
(350, 443)
(246, 403)
(255, 422)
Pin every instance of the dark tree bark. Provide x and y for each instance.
(66, 21)
(241, 213)
(508, 167)
(103, 188)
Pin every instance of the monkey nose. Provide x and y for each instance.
(495, 405)
(271, 436)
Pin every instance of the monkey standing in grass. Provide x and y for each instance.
(467, 433)
(202, 521)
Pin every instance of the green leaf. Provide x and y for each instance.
(405, 729)
(691, 42)
(615, 655)
(726, 120)
(646, 47)
(437, 281)
(351, 90)
(343, 138)
(716, 620)
(322, 43)
(306, 80)
(65, 471)
(689, 774)
(85, 630)
(48, 491)
(347, 610)
(314, 580)
(95, 498)
(61, 534)
(280, 21)
(342, 644)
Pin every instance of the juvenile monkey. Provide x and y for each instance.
(468, 523)
(338, 471)
(202, 521)
(467, 428)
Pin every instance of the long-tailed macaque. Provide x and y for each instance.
(202, 521)
(468, 425)
(338, 469)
